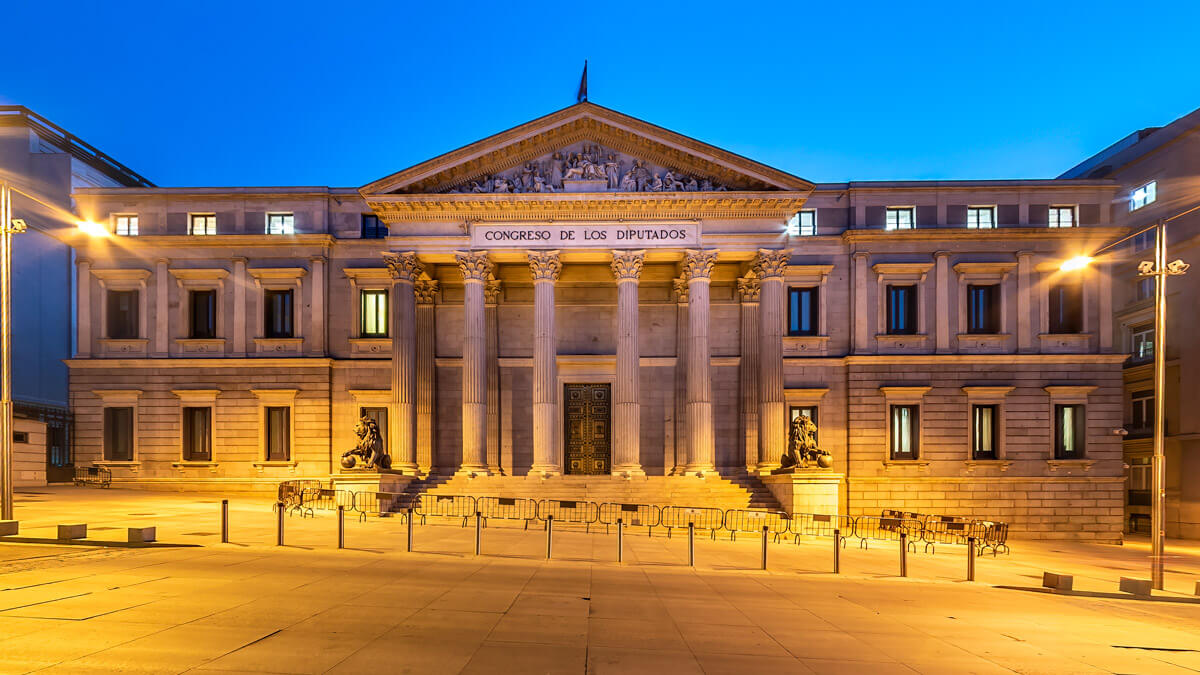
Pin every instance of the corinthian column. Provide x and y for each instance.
(697, 266)
(491, 298)
(675, 459)
(405, 269)
(627, 430)
(546, 267)
(748, 290)
(769, 266)
(426, 292)
(475, 267)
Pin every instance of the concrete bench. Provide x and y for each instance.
(1138, 587)
(1057, 582)
(141, 535)
(78, 531)
(9, 528)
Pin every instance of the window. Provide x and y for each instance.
(277, 313)
(20, 437)
(1142, 240)
(1144, 195)
(374, 312)
(1066, 308)
(803, 315)
(1142, 343)
(803, 224)
(123, 315)
(202, 314)
(197, 434)
(981, 217)
(281, 223)
(125, 225)
(1062, 216)
(1141, 418)
(1143, 289)
(1140, 481)
(900, 218)
(202, 223)
(904, 431)
(983, 431)
(279, 433)
(1068, 431)
(380, 415)
(902, 310)
(809, 410)
(372, 228)
(118, 434)
(983, 309)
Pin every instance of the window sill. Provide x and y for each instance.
(372, 346)
(985, 337)
(1060, 341)
(275, 463)
(290, 345)
(124, 347)
(973, 464)
(1070, 464)
(201, 345)
(803, 344)
(118, 464)
(198, 464)
(921, 464)
(902, 342)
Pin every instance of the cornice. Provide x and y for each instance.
(86, 243)
(1099, 233)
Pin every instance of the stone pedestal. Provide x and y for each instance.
(806, 490)
(371, 481)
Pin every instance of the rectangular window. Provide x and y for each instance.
(1147, 194)
(380, 415)
(1143, 289)
(904, 431)
(983, 431)
(202, 314)
(202, 223)
(1142, 240)
(981, 217)
(125, 225)
(123, 315)
(277, 314)
(1066, 308)
(118, 434)
(1062, 216)
(809, 410)
(1142, 343)
(803, 311)
(197, 434)
(1068, 431)
(279, 433)
(372, 228)
(1141, 419)
(374, 311)
(281, 223)
(983, 309)
(902, 310)
(902, 218)
(802, 224)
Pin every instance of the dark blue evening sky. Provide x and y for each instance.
(342, 93)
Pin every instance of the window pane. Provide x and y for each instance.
(901, 310)
(1066, 308)
(904, 431)
(810, 411)
(277, 319)
(203, 314)
(196, 434)
(374, 311)
(279, 447)
(1068, 431)
(118, 434)
(381, 419)
(984, 431)
(123, 315)
(803, 311)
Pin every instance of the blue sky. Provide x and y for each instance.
(297, 93)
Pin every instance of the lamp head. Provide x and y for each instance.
(92, 229)
(1077, 263)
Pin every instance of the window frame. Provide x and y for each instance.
(209, 224)
(130, 224)
(1146, 330)
(108, 439)
(1054, 293)
(288, 227)
(1143, 399)
(135, 317)
(904, 397)
(187, 453)
(799, 228)
(993, 438)
(814, 311)
(979, 209)
(269, 331)
(1078, 432)
(1068, 395)
(378, 231)
(911, 308)
(363, 293)
(213, 332)
(992, 318)
(1149, 196)
(1054, 215)
(197, 398)
(118, 398)
(913, 432)
(384, 427)
(266, 400)
(897, 210)
(996, 397)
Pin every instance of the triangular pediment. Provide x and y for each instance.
(587, 148)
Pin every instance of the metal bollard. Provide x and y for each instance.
(224, 521)
(341, 526)
(549, 536)
(764, 548)
(279, 523)
(410, 526)
(903, 554)
(837, 551)
(691, 545)
(620, 541)
(478, 532)
(970, 558)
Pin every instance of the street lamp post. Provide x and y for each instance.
(8, 227)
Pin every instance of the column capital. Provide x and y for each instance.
(404, 266)
(861, 256)
(545, 265)
(491, 291)
(771, 264)
(474, 265)
(749, 288)
(941, 254)
(1024, 254)
(163, 261)
(426, 290)
(698, 264)
(679, 290)
(627, 265)
(81, 261)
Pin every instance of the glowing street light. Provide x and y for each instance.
(1077, 263)
(92, 229)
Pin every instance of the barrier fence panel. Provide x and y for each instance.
(569, 511)
(750, 520)
(648, 516)
(376, 503)
(94, 476)
(994, 536)
(323, 499)
(821, 525)
(290, 492)
(703, 518)
(883, 528)
(446, 506)
(946, 530)
(507, 508)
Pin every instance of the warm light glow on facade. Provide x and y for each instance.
(1077, 263)
(93, 229)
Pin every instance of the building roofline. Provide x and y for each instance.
(19, 115)
(1134, 146)
(227, 191)
(1016, 183)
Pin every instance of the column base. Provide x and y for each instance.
(701, 470)
(629, 471)
(765, 468)
(544, 470)
(407, 469)
(472, 471)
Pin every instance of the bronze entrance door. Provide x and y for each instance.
(586, 425)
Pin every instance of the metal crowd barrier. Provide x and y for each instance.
(447, 506)
(648, 516)
(885, 528)
(702, 518)
(995, 537)
(821, 525)
(568, 511)
(290, 492)
(507, 508)
(375, 503)
(93, 476)
(753, 521)
(322, 499)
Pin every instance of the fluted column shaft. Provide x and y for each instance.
(627, 408)
(772, 425)
(426, 292)
(748, 290)
(491, 296)
(405, 269)
(475, 269)
(546, 268)
(701, 445)
(676, 461)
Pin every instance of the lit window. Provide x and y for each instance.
(374, 311)
(1142, 343)
(1143, 240)
(1141, 418)
(900, 218)
(803, 314)
(281, 223)
(803, 224)
(372, 228)
(1068, 431)
(809, 411)
(904, 431)
(125, 225)
(901, 310)
(1143, 196)
(1062, 216)
(202, 223)
(983, 431)
(981, 217)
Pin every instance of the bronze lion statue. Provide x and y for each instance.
(368, 454)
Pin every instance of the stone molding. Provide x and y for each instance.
(426, 291)
(627, 265)
(404, 266)
(698, 264)
(545, 265)
(679, 290)
(474, 265)
(491, 292)
(749, 288)
(771, 264)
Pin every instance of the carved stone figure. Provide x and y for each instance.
(691, 185)
(628, 182)
(368, 454)
(642, 174)
(612, 169)
(655, 184)
(556, 170)
(802, 446)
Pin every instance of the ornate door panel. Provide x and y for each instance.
(586, 425)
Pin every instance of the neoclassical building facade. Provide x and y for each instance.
(591, 294)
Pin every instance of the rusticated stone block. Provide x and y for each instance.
(1057, 582)
(141, 535)
(9, 527)
(1139, 587)
(76, 531)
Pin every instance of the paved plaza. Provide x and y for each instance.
(252, 607)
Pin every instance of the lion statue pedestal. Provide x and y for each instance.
(367, 467)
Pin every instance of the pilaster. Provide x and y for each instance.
(239, 307)
(426, 294)
(491, 300)
(316, 282)
(942, 302)
(675, 453)
(1024, 301)
(861, 316)
(627, 409)
(748, 292)
(162, 315)
(83, 310)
